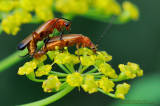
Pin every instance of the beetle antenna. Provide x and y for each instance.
(66, 19)
(107, 28)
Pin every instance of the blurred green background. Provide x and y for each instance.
(135, 42)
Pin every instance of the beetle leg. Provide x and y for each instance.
(77, 46)
(34, 52)
(46, 41)
(61, 33)
(34, 42)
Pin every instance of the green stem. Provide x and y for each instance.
(52, 98)
(63, 68)
(62, 79)
(92, 71)
(83, 69)
(109, 94)
(58, 74)
(38, 80)
(116, 80)
(63, 85)
(80, 68)
(71, 69)
(98, 73)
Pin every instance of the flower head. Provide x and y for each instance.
(90, 84)
(43, 70)
(106, 84)
(10, 25)
(131, 9)
(63, 58)
(74, 79)
(121, 90)
(6, 5)
(80, 6)
(131, 70)
(27, 68)
(106, 69)
(52, 83)
(87, 60)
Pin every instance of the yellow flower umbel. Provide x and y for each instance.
(93, 75)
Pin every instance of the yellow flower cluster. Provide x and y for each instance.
(52, 83)
(11, 23)
(106, 84)
(122, 89)
(131, 70)
(107, 6)
(43, 70)
(97, 79)
(72, 6)
(130, 11)
(106, 69)
(90, 84)
(102, 7)
(17, 12)
(29, 67)
(74, 79)
(88, 58)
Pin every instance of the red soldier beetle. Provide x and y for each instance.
(42, 32)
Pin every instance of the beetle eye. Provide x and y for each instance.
(66, 24)
(93, 47)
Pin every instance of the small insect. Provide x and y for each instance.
(43, 32)
(68, 40)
